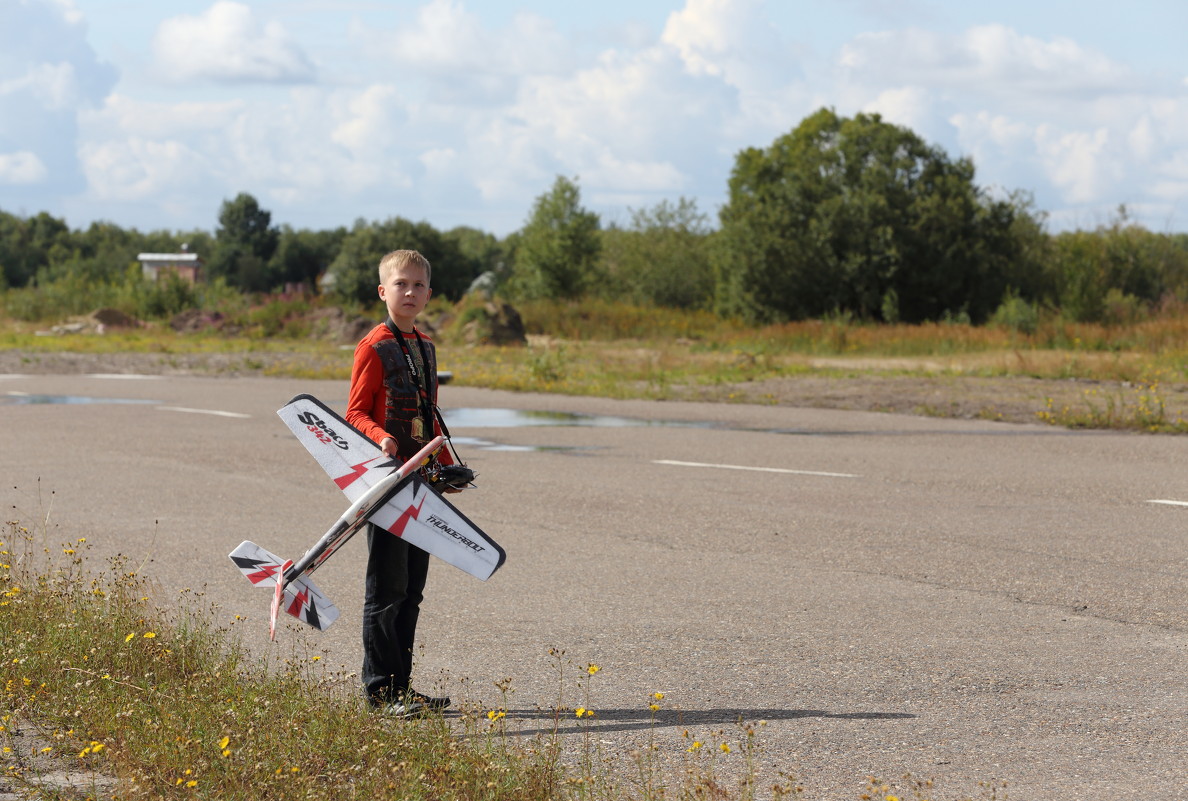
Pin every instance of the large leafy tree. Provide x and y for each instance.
(355, 269)
(483, 251)
(26, 244)
(860, 216)
(302, 255)
(663, 256)
(558, 247)
(244, 244)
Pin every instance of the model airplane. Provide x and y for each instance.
(394, 496)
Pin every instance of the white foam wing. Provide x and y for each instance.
(420, 515)
(416, 511)
(353, 461)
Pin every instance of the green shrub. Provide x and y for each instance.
(1016, 314)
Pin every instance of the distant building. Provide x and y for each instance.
(187, 266)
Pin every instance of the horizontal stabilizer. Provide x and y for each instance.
(302, 598)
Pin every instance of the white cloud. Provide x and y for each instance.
(987, 59)
(196, 154)
(69, 11)
(228, 44)
(909, 106)
(428, 110)
(448, 40)
(372, 122)
(1076, 162)
(724, 39)
(48, 73)
(22, 167)
(1080, 130)
(136, 169)
(52, 86)
(445, 57)
(122, 115)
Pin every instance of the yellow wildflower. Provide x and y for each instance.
(592, 669)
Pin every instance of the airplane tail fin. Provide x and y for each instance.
(299, 596)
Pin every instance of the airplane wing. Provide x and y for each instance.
(354, 462)
(420, 515)
(416, 511)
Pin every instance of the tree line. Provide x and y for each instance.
(852, 217)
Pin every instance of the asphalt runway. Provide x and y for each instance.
(965, 601)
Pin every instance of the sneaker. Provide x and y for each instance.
(428, 701)
(407, 711)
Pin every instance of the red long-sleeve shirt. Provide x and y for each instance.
(376, 398)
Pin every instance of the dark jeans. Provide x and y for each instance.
(395, 585)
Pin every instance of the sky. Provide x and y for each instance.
(150, 114)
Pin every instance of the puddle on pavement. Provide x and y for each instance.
(517, 418)
(488, 445)
(467, 417)
(26, 399)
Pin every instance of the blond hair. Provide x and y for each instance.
(402, 258)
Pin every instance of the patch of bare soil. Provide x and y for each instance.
(224, 364)
(32, 765)
(1012, 399)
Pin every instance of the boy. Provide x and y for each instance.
(392, 400)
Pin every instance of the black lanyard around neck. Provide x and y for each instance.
(426, 407)
(425, 404)
(408, 357)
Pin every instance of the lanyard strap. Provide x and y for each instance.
(425, 401)
(425, 405)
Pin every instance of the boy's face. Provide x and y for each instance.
(405, 292)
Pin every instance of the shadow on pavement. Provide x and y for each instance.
(611, 720)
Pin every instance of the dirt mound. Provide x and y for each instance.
(493, 323)
(192, 320)
(335, 325)
(113, 318)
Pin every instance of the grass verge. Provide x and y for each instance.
(167, 705)
(106, 695)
